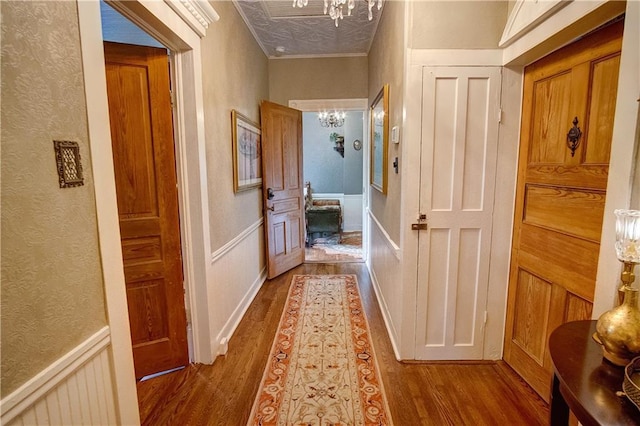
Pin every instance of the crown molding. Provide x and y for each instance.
(198, 14)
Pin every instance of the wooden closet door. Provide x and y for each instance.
(560, 197)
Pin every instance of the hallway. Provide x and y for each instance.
(471, 393)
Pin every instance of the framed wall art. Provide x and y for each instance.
(379, 116)
(247, 153)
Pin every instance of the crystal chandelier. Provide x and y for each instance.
(331, 119)
(335, 7)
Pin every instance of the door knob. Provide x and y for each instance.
(270, 194)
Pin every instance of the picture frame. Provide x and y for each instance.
(379, 137)
(246, 139)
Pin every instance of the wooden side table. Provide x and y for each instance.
(584, 382)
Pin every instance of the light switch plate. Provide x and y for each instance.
(395, 134)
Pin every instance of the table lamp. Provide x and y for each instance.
(618, 330)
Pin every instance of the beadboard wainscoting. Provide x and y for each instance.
(385, 268)
(75, 389)
(238, 270)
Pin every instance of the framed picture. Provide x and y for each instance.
(247, 153)
(379, 116)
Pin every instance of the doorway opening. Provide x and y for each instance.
(141, 116)
(333, 175)
(336, 169)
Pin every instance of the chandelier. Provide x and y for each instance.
(331, 119)
(335, 7)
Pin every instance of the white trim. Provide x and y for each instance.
(107, 210)
(572, 20)
(314, 105)
(234, 320)
(395, 249)
(39, 385)
(160, 20)
(386, 314)
(455, 57)
(624, 144)
(225, 249)
(525, 16)
(319, 56)
(328, 196)
(197, 14)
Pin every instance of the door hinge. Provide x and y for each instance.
(172, 99)
(485, 317)
(500, 115)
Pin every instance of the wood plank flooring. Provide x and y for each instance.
(466, 393)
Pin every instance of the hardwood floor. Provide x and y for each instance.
(467, 393)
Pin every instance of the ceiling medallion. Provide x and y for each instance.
(331, 119)
(335, 7)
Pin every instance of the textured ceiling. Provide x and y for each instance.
(307, 31)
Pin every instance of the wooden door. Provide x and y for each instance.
(560, 197)
(144, 161)
(457, 180)
(282, 187)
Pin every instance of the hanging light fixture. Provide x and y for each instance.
(331, 119)
(335, 7)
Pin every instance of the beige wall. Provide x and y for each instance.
(386, 65)
(234, 77)
(457, 25)
(52, 287)
(318, 78)
(635, 192)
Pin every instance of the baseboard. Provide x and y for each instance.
(232, 324)
(386, 315)
(87, 367)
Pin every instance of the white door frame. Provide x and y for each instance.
(179, 26)
(354, 104)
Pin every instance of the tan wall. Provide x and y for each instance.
(635, 191)
(457, 24)
(234, 77)
(318, 78)
(52, 287)
(386, 65)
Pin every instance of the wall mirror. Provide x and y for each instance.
(379, 113)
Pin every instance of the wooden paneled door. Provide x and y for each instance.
(560, 196)
(282, 187)
(460, 118)
(144, 162)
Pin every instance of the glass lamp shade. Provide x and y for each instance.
(628, 235)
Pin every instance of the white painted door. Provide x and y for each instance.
(460, 118)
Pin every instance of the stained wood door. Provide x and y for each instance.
(144, 161)
(560, 197)
(282, 187)
(457, 181)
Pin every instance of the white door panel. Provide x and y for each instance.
(458, 169)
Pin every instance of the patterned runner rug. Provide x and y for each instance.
(322, 370)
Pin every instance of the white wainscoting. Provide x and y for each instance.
(352, 214)
(385, 271)
(351, 205)
(75, 390)
(238, 270)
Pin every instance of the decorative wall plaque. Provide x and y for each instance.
(68, 162)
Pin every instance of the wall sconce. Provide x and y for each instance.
(339, 141)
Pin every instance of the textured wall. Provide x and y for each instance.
(317, 78)
(386, 65)
(458, 25)
(52, 295)
(234, 77)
